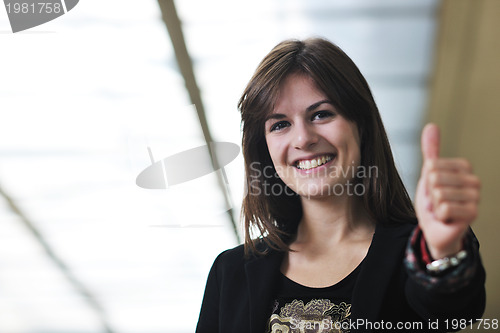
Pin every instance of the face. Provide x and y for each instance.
(315, 150)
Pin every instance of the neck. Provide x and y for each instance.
(333, 219)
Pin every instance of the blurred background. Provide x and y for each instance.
(88, 101)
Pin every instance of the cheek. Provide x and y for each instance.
(275, 151)
(355, 154)
(354, 151)
(350, 139)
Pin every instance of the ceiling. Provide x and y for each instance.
(90, 99)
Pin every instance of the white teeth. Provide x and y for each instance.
(309, 164)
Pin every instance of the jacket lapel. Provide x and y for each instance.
(385, 254)
(383, 258)
(262, 274)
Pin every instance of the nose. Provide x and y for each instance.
(305, 136)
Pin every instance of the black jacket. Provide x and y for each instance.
(239, 293)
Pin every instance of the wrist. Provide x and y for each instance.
(449, 251)
(446, 275)
(442, 265)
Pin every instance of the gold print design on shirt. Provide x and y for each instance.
(317, 316)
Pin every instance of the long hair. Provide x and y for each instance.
(273, 216)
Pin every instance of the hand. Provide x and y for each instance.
(447, 197)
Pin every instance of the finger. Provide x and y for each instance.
(450, 164)
(443, 178)
(454, 212)
(440, 195)
(430, 142)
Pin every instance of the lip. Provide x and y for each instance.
(310, 157)
(320, 169)
(316, 169)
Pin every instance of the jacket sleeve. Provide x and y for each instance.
(458, 294)
(209, 313)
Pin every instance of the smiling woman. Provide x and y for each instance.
(311, 140)
(312, 72)
(332, 247)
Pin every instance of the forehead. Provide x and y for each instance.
(297, 92)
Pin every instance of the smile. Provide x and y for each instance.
(313, 163)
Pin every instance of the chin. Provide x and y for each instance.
(311, 190)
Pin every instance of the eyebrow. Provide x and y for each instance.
(308, 109)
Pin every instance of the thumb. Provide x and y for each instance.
(430, 142)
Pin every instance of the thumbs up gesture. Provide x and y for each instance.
(447, 197)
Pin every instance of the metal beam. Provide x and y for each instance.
(73, 280)
(171, 19)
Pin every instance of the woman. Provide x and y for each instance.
(333, 243)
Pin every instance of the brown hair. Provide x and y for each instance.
(275, 216)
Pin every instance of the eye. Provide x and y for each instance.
(322, 115)
(279, 126)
